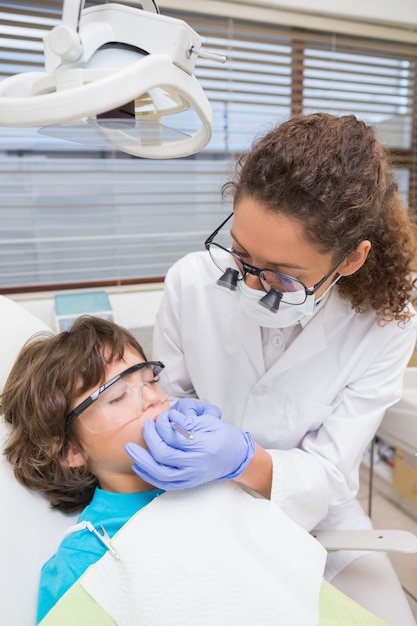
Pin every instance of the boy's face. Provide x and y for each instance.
(116, 419)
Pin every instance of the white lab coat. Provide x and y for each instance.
(315, 410)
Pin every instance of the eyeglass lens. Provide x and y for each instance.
(224, 258)
(123, 400)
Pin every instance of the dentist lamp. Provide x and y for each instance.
(115, 72)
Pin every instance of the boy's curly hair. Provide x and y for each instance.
(50, 372)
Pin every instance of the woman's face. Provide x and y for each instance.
(114, 420)
(274, 241)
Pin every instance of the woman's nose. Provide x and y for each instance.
(253, 282)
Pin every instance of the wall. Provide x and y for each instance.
(382, 19)
(133, 307)
(398, 12)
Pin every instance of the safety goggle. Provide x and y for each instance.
(120, 399)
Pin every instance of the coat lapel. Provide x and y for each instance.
(249, 337)
(312, 340)
(315, 335)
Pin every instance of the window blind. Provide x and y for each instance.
(74, 216)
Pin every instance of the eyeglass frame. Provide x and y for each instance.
(256, 271)
(85, 404)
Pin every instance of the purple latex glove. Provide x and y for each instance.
(217, 450)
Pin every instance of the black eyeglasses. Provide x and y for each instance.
(111, 394)
(268, 279)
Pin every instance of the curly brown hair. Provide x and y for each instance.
(333, 177)
(50, 373)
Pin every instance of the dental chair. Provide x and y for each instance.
(30, 531)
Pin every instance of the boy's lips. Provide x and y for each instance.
(158, 412)
(161, 410)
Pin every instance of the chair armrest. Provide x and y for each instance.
(373, 540)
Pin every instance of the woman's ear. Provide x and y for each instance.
(75, 457)
(355, 259)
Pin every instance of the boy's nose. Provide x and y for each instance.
(150, 395)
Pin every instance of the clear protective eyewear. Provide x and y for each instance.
(234, 268)
(120, 399)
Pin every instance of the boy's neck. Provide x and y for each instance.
(122, 483)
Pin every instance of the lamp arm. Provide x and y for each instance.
(88, 99)
(71, 13)
(79, 103)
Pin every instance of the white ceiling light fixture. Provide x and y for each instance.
(115, 72)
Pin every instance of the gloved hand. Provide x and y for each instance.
(190, 407)
(217, 450)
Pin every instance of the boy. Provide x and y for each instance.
(77, 458)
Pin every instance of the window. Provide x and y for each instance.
(73, 217)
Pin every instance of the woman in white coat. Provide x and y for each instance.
(295, 322)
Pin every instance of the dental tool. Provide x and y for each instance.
(103, 536)
(184, 432)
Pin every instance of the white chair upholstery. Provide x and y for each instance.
(16, 326)
(29, 530)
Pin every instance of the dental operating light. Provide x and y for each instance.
(115, 73)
